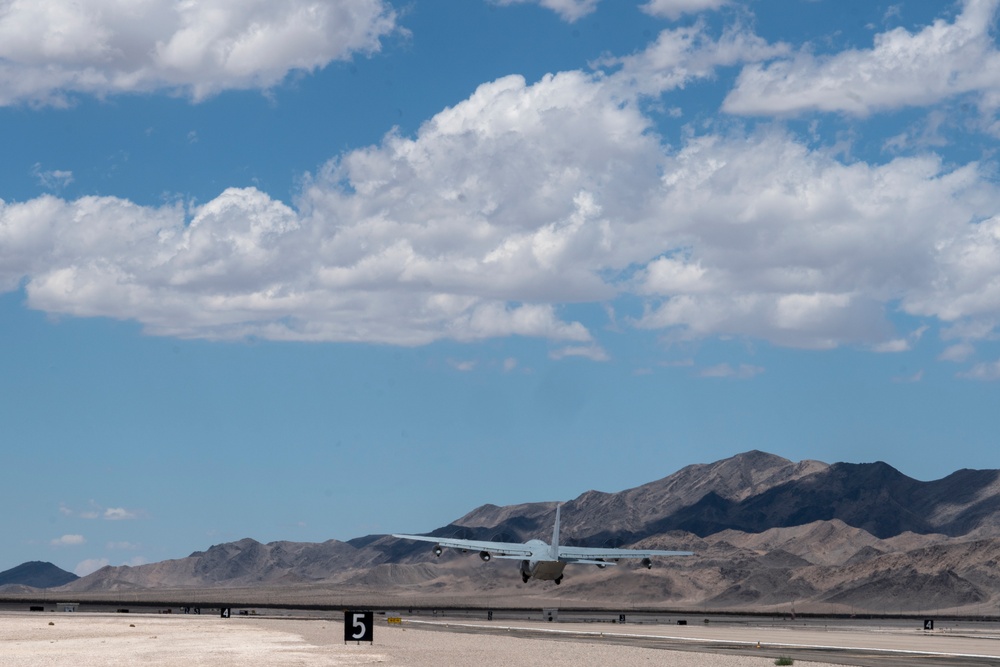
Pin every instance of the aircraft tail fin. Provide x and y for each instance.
(555, 535)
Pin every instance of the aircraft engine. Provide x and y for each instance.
(601, 565)
(437, 549)
(647, 563)
(485, 555)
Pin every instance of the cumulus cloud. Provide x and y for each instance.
(568, 10)
(673, 9)
(776, 241)
(524, 198)
(682, 55)
(68, 541)
(51, 49)
(901, 69)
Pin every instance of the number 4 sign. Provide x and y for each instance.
(359, 626)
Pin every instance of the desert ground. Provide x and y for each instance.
(83, 639)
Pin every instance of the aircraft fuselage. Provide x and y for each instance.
(543, 570)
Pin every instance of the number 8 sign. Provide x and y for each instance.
(359, 626)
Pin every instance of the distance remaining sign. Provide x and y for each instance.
(359, 626)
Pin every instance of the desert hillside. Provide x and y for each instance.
(769, 534)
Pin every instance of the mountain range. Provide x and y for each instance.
(36, 574)
(769, 534)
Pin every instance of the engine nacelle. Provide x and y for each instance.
(648, 564)
(485, 555)
(437, 550)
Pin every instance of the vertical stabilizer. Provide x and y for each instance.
(555, 536)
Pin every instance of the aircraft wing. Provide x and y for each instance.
(596, 554)
(495, 549)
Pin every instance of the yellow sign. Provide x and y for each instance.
(394, 620)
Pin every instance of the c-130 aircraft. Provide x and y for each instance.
(542, 561)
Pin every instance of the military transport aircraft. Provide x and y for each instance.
(540, 560)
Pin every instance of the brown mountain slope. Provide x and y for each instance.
(769, 534)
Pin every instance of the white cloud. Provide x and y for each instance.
(52, 179)
(68, 541)
(51, 49)
(523, 198)
(439, 250)
(119, 514)
(673, 9)
(464, 366)
(986, 371)
(89, 566)
(687, 54)
(967, 275)
(890, 346)
(568, 10)
(901, 69)
(775, 241)
(592, 352)
(958, 353)
(741, 372)
(900, 344)
(96, 511)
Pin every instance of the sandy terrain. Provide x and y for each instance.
(79, 640)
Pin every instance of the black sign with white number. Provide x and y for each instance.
(929, 624)
(225, 612)
(359, 626)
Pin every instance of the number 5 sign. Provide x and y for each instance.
(359, 626)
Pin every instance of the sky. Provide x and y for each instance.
(307, 270)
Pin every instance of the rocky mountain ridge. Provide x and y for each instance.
(768, 533)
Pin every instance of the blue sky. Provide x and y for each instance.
(305, 270)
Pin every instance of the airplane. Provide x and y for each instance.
(542, 561)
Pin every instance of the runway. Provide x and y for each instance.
(861, 644)
(430, 638)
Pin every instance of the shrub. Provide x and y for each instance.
(784, 661)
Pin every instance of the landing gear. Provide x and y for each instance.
(524, 577)
(558, 580)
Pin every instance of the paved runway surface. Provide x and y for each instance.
(426, 640)
(865, 644)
